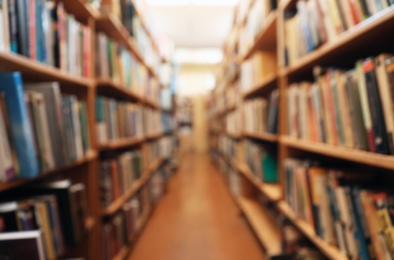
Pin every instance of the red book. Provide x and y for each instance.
(32, 29)
(86, 38)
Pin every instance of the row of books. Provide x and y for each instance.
(118, 174)
(29, 143)
(227, 146)
(115, 62)
(57, 209)
(294, 244)
(232, 177)
(255, 22)
(43, 31)
(257, 69)
(160, 148)
(346, 209)
(156, 122)
(120, 230)
(234, 122)
(116, 119)
(347, 108)
(262, 162)
(261, 115)
(316, 22)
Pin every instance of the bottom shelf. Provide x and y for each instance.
(330, 251)
(265, 228)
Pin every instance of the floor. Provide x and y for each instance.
(196, 220)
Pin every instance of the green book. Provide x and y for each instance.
(269, 166)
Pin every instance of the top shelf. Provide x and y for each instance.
(360, 39)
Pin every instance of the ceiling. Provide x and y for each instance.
(203, 24)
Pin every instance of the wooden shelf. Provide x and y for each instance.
(267, 85)
(343, 153)
(267, 137)
(272, 191)
(110, 88)
(90, 156)
(155, 136)
(138, 184)
(330, 251)
(356, 42)
(122, 143)
(80, 9)
(123, 253)
(265, 228)
(266, 39)
(113, 28)
(152, 104)
(35, 71)
(233, 136)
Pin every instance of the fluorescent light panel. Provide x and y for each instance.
(198, 56)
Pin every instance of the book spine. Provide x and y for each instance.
(32, 29)
(12, 23)
(375, 106)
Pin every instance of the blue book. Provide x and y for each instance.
(21, 131)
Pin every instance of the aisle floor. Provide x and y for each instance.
(196, 220)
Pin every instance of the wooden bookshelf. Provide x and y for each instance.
(123, 253)
(330, 251)
(122, 143)
(266, 39)
(343, 153)
(267, 85)
(109, 88)
(262, 224)
(138, 184)
(351, 43)
(90, 156)
(267, 137)
(36, 71)
(273, 191)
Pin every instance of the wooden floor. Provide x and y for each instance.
(196, 220)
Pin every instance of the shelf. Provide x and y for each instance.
(267, 137)
(138, 184)
(265, 228)
(90, 222)
(155, 136)
(233, 136)
(122, 254)
(271, 190)
(80, 9)
(267, 85)
(330, 251)
(266, 39)
(360, 38)
(348, 154)
(35, 71)
(90, 156)
(152, 104)
(122, 143)
(113, 28)
(110, 88)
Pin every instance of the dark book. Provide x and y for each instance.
(375, 106)
(9, 217)
(22, 245)
(62, 191)
(13, 26)
(22, 10)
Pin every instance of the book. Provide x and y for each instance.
(31, 241)
(52, 95)
(7, 153)
(22, 138)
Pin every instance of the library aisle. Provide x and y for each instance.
(196, 219)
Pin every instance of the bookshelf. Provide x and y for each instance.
(85, 169)
(364, 39)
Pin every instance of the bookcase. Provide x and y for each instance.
(127, 132)
(293, 58)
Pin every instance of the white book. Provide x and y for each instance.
(4, 30)
(77, 128)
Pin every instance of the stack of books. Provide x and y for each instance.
(262, 162)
